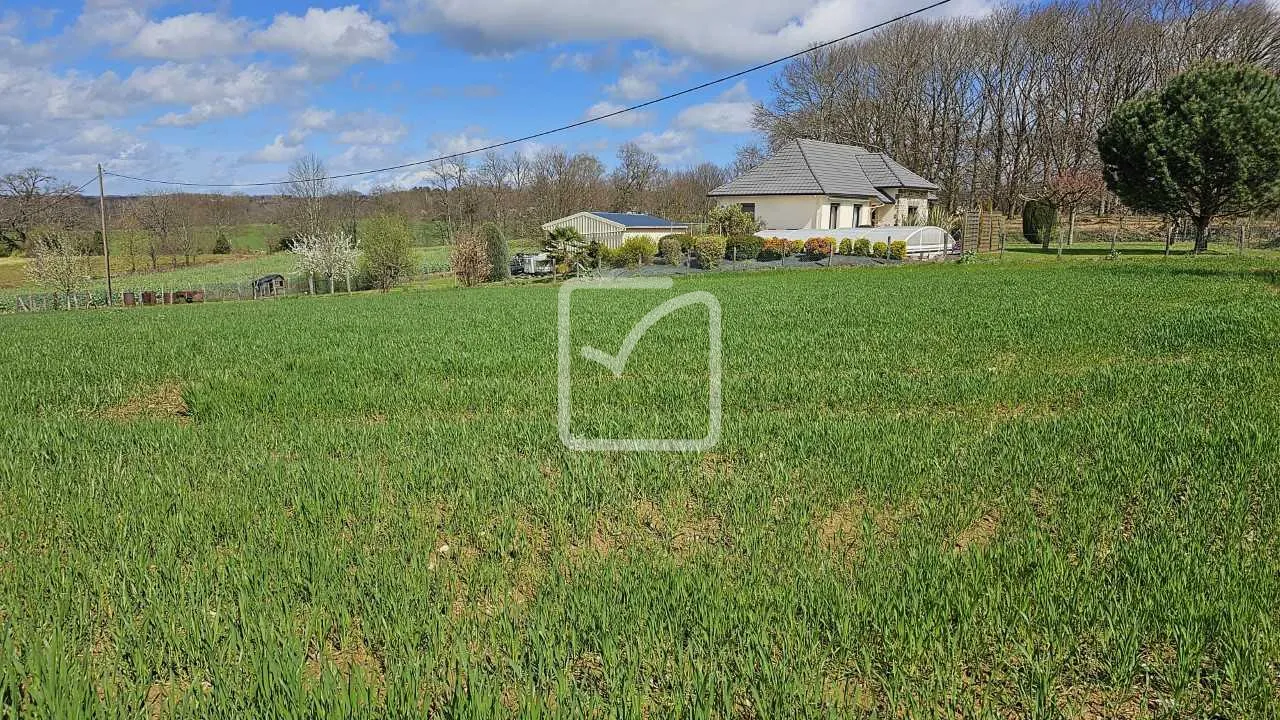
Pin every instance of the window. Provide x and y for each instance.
(834, 221)
(913, 215)
(748, 208)
(857, 216)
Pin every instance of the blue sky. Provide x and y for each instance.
(233, 91)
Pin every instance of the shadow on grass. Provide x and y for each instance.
(1095, 251)
(1271, 276)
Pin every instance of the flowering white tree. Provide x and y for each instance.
(329, 254)
(56, 262)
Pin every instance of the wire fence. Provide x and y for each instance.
(139, 292)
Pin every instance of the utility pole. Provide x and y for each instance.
(102, 217)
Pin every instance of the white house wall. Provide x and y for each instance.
(609, 234)
(779, 212)
(586, 224)
(802, 212)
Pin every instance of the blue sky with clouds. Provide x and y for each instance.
(233, 91)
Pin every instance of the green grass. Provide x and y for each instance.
(207, 270)
(255, 237)
(989, 490)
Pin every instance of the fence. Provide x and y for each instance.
(133, 292)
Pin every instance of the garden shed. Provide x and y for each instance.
(611, 228)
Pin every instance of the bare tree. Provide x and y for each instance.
(469, 258)
(638, 170)
(30, 199)
(993, 108)
(1068, 189)
(308, 187)
(494, 175)
(449, 177)
(157, 215)
(746, 158)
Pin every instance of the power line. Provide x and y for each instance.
(562, 128)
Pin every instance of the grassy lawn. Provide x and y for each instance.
(1019, 489)
(207, 270)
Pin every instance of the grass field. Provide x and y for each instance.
(1019, 489)
(205, 271)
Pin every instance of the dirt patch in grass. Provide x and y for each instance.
(845, 528)
(980, 533)
(714, 464)
(697, 532)
(587, 671)
(158, 402)
(1097, 703)
(680, 528)
(353, 659)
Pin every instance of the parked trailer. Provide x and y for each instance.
(532, 264)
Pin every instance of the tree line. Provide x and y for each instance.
(518, 191)
(994, 108)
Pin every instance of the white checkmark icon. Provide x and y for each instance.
(618, 363)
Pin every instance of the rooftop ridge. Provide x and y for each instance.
(807, 164)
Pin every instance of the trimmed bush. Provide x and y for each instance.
(862, 247)
(636, 250)
(795, 247)
(743, 247)
(221, 246)
(1039, 218)
(819, 247)
(772, 249)
(495, 242)
(879, 249)
(671, 248)
(846, 247)
(732, 220)
(708, 250)
(602, 256)
(898, 250)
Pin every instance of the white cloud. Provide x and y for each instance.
(113, 24)
(187, 37)
(716, 30)
(452, 144)
(346, 34)
(730, 113)
(366, 127)
(590, 61)
(634, 118)
(212, 91)
(672, 147)
(371, 128)
(315, 119)
(642, 77)
(281, 150)
(358, 157)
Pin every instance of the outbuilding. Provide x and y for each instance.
(611, 228)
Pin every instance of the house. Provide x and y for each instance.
(814, 185)
(611, 228)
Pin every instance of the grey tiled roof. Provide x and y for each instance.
(812, 167)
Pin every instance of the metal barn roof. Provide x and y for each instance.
(636, 220)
